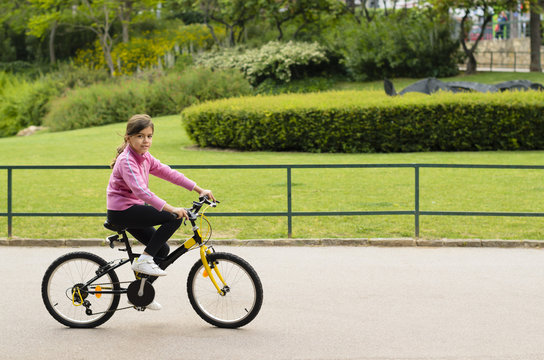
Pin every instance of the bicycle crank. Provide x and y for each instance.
(140, 292)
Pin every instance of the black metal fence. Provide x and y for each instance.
(416, 212)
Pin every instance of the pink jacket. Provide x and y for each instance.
(129, 180)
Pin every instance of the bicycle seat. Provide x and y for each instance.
(113, 227)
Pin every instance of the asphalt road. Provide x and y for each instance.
(320, 303)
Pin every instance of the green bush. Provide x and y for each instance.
(312, 84)
(24, 103)
(278, 61)
(70, 76)
(174, 92)
(96, 105)
(403, 44)
(369, 121)
(157, 95)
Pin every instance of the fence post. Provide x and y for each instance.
(491, 63)
(289, 207)
(416, 200)
(10, 216)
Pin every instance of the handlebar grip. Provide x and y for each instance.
(207, 200)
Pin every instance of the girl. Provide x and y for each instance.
(128, 193)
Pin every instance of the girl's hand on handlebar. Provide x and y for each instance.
(207, 193)
(180, 213)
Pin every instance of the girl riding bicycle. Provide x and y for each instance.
(128, 193)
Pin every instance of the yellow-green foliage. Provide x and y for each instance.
(370, 121)
(150, 49)
(101, 104)
(23, 103)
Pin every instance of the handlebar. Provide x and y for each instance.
(197, 205)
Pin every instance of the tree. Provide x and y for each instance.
(536, 38)
(303, 13)
(98, 16)
(487, 8)
(127, 11)
(14, 15)
(46, 16)
(233, 14)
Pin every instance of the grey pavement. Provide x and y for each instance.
(319, 303)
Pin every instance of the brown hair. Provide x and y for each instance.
(135, 124)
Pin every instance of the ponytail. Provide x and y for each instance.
(120, 149)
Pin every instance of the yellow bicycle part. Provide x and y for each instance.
(203, 217)
(98, 294)
(203, 252)
(74, 297)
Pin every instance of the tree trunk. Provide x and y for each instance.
(207, 23)
(125, 26)
(213, 33)
(472, 64)
(280, 31)
(230, 32)
(52, 57)
(124, 13)
(106, 43)
(535, 65)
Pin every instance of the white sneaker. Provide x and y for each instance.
(147, 267)
(153, 306)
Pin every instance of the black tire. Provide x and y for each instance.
(63, 290)
(240, 304)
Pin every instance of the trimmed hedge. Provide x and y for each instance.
(370, 121)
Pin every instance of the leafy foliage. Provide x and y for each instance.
(109, 103)
(24, 103)
(413, 44)
(152, 49)
(355, 121)
(307, 85)
(281, 62)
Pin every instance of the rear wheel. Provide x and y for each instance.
(242, 296)
(68, 292)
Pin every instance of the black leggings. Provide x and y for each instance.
(139, 221)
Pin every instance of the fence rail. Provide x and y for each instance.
(503, 60)
(289, 213)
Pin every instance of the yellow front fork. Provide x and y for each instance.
(203, 252)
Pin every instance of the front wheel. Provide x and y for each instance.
(71, 290)
(242, 295)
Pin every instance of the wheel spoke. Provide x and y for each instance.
(66, 297)
(242, 300)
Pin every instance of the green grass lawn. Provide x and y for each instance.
(265, 190)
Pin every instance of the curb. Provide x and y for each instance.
(380, 242)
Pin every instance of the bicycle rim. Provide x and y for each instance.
(65, 291)
(242, 301)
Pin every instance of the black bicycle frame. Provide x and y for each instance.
(163, 264)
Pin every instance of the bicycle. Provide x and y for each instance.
(82, 290)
